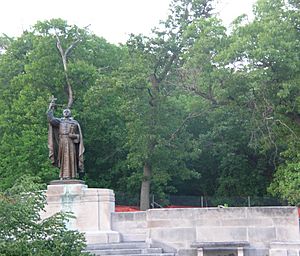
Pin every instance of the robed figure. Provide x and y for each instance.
(65, 144)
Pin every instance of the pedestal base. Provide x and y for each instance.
(91, 207)
(67, 181)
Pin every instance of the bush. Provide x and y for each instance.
(22, 232)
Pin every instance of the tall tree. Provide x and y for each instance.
(251, 82)
(155, 60)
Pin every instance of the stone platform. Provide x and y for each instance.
(92, 208)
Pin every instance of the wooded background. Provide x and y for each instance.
(193, 109)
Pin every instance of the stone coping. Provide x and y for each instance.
(285, 245)
(66, 182)
(220, 245)
(297, 242)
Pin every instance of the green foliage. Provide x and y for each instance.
(22, 232)
(269, 49)
(286, 183)
(23, 129)
(192, 100)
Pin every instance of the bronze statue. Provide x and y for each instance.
(65, 143)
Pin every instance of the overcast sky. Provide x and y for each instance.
(111, 19)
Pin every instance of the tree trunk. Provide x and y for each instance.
(145, 189)
(147, 172)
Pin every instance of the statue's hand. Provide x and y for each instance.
(73, 136)
(51, 105)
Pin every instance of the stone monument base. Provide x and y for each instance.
(91, 207)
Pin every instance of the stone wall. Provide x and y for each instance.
(179, 228)
(132, 226)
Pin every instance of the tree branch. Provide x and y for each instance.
(189, 117)
(64, 57)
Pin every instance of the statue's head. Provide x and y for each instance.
(67, 113)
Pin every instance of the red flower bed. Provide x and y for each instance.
(124, 208)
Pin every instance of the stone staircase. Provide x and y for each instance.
(126, 248)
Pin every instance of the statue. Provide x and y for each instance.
(65, 143)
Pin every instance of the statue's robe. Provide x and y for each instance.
(65, 153)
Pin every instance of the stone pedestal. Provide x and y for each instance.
(92, 208)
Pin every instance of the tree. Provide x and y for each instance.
(152, 113)
(22, 232)
(287, 177)
(227, 165)
(271, 50)
(250, 78)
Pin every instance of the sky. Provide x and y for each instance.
(112, 19)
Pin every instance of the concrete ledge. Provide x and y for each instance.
(285, 245)
(229, 244)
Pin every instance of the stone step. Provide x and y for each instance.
(153, 250)
(142, 254)
(133, 237)
(126, 251)
(117, 252)
(123, 245)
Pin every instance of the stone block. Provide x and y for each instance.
(134, 231)
(122, 216)
(286, 245)
(139, 216)
(271, 212)
(288, 233)
(285, 221)
(159, 224)
(264, 234)
(102, 237)
(221, 234)
(161, 214)
(173, 234)
(194, 213)
(208, 222)
(133, 237)
(187, 252)
(278, 252)
(227, 213)
(257, 252)
(293, 252)
(247, 222)
(178, 245)
(183, 223)
(128, 225)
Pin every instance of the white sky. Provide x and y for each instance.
(111, 19)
